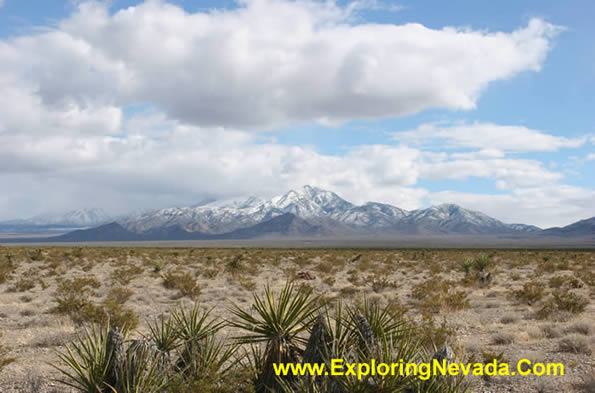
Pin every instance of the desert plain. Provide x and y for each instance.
(485, 304)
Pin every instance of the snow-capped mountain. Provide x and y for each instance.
(450, 218)
(304, 213)
(81, 218)
(226, 216)
(319, 207)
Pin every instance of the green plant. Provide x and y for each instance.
(278, 323)
(87, 362)
(125, 275)
(195, 324)
(531, 292)
(24, 284)
(565, 301)
(72, 295)
(184, 282)
(7, 267)
(164, 333)
(36, 255)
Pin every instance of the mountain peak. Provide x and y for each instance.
(321, 208)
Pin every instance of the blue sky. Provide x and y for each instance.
(133, 104)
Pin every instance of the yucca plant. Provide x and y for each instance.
(195, 324)
(278, 323)
(209, 359)
(142, 370)
(87, 361)
(164, 333)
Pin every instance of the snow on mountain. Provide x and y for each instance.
(372, 215)
(524, 228)
(229, 215)
(452, 218)
(319, 207)
(74, 218)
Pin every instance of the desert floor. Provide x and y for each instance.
(534, 304)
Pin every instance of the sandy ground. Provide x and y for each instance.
(490, 318)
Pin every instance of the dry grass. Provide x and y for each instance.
(534, 301)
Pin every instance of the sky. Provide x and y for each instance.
(134, 105)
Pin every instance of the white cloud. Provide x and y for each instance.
(68, 139)
(303, 61)
(151, 161)
(591, 157)
(546, 206)
(486, 136)
(374, 5)
(508, 172)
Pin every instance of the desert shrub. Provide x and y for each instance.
(326, 266)
(73, 298)
(210, 272)
(24, 284)
(531, 292)
(508, 319)
(117, 315)
(503, 339)
(7, 267)
(119, 295)
(348, 291)
(184, 282)
(435, 295)
(490, 357)
(379, 284)
(550, 331)
(581, 327)
(125, 275)
(434, 334)
(36, 255)
(5, 360)
(72, 294)
(329, 280)
(247, 283)
(562, 301)
(565, 281)
(235, 264)
(574, 344)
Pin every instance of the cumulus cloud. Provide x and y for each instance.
(153, 161)
(486, 136)
(154, 106)
(265, 64)
(544, 206)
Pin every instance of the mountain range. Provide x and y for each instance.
(57, 222)
(302, 213)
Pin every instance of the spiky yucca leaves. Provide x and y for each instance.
(195, 324)
(142, 370)
(361, 333)
(165, 333)
(87, 361)
(278, 323)
(209, 365)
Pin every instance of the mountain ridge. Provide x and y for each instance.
(310, 212)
